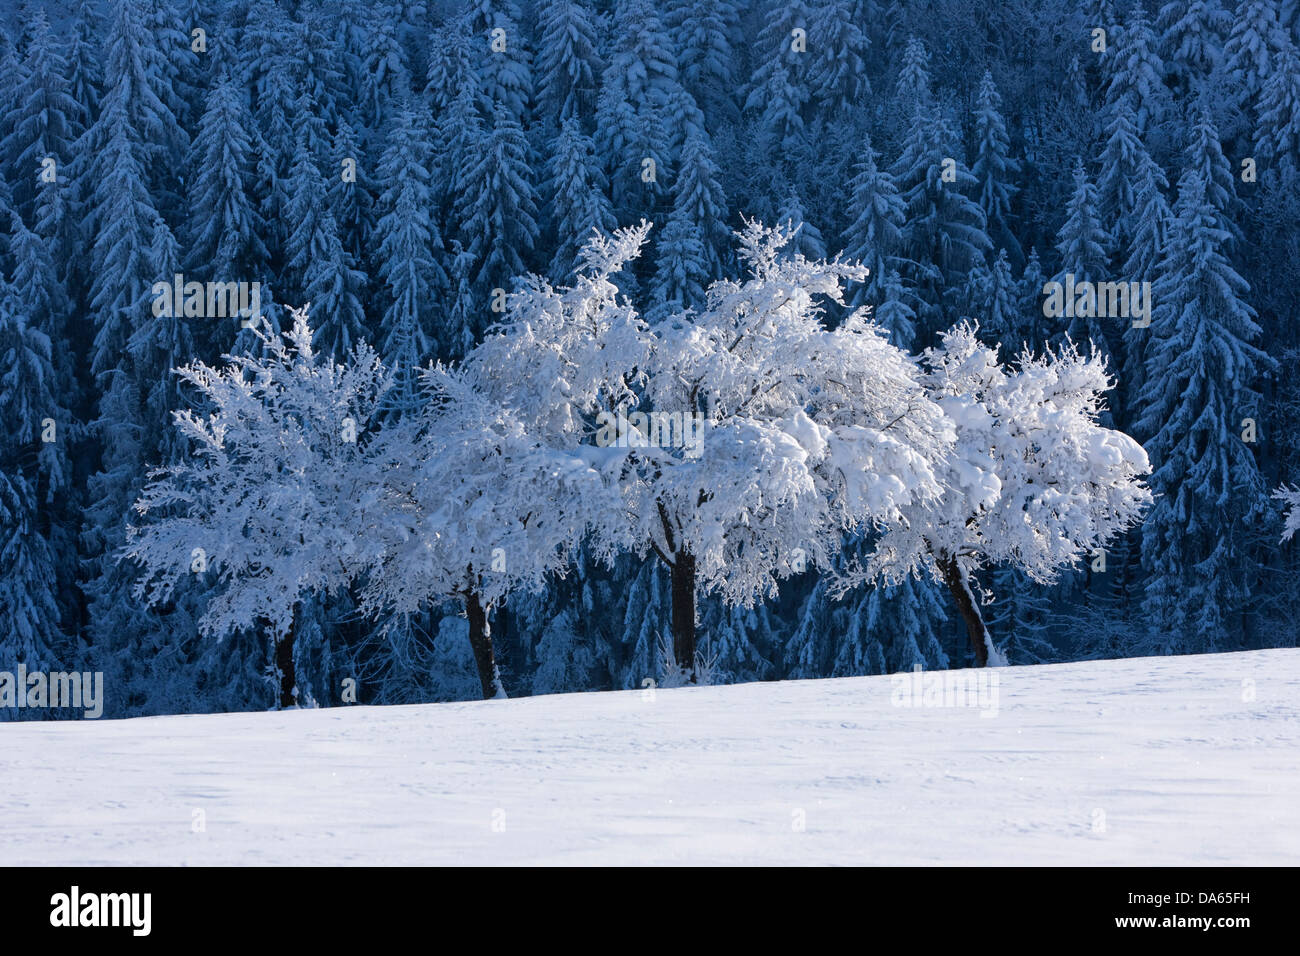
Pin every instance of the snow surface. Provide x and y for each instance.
(1171, 760)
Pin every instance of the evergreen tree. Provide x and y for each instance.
(1206, 154)
(1127, 172)
(913, 86)
(1279, 109)
(497, 206)
(1030, 302)
(688, 254)
(1208, 490)
(994, 168)
(406, 239)
(568, 61)
(29, 575)
(645, 55)
(136, 98)
(1137, 74)
(808, 241)
(322, 269)
(224, 228)
(895, 314)
(892, 630)
(46, 119)
(705, 55)
(838, 46)
(350, 192)
(449, 71)
(504, 64)
(384, 76)
(943, 235)
(781, 81)
(875, 234)
(578, 203)
(85, 74)
(1191, 40)
(1248, 52)
(1082, 245)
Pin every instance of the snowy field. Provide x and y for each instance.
(1186, 760)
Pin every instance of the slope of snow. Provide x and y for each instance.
(1149, 761)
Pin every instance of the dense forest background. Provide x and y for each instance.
(967, 151)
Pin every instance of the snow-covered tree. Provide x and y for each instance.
(267, 500)
(578, 200)
(783, 67)
(325, 274)
(1137, 73)
(1033, 481)
(406, 239)
(1082, 244)
(994, 169)
(838, 46)
(807, 240)
(501, 57)
(384, 76)
(1291, 498)
(1279, 109)
(568, 62)
(796, 433)
(498, 205)
(225, 227)
(943, 233)
(705, 55)
(46, 119)
(689, 250)
(1248, 51)
(1191, 39)
(1200, 387)
(874, 235)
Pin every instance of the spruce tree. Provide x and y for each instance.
(497, 206)
(568, 62)
(578, 202)
(875, 234)
(1082, 245)
(994, 169)
(1205, 366)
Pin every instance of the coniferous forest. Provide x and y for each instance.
(919, 267)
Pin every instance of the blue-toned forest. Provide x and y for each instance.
(399, 165)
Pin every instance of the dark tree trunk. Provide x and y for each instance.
(958, 581)
(683, 581)
(480, 639)
(284, 665)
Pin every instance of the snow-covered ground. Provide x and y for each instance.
(1148, 761)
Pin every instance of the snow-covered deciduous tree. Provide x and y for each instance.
(1291, 498)
(265, 499)
(745, 437)
(1033, 481)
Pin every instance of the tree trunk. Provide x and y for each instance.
(480, 639)
(284, 665)
(958, 581)
(683, 583)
